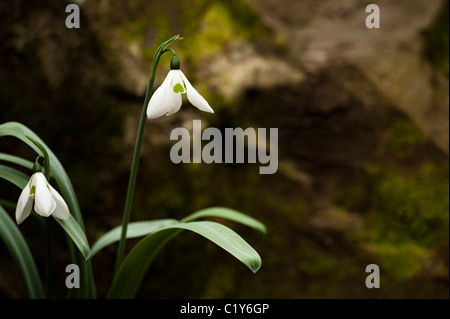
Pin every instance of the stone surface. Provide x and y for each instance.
(363, 137)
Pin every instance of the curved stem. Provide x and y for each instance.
(137, 150)
(167, 50)
(46, 157)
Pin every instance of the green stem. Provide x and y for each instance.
(137, 150)
(46, 157)
(48, 258)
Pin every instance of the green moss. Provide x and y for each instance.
(400, 261)
(217, 28)
(404, 139)
(403, 142)
(413, 208)
(243, 15)
(409, 218)
(437, 41)
(135, 31)
(211, 25)
(409, 200)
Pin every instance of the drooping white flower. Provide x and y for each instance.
(46, 199)
(167, 99)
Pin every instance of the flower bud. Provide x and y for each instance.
(175, 63)
(37, 168)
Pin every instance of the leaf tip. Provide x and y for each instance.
(263, 229)
(86, 253)
(255, 265)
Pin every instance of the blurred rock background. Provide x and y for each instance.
(363, 137)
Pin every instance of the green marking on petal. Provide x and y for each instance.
(178, 88)
(33, 190)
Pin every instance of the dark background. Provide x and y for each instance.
(363, 138)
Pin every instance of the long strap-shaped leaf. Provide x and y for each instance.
(20, 131)
(75, 232)
(13, 176)
(134, 230)
(133, 269)
(144, 228)
(227, 213)
(16, 160)
(21, 254)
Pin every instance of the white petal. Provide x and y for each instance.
(24, 204)
(61, 211)
(175, 105)
(163, 100)
(156, 106)
(44, 204)
(195, 98)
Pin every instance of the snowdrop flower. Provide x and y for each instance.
(167, 99)
(47, 200)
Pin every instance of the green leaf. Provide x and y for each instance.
(16, 160)
(21, 132)
(227, 239)
(14, 176)
(75, 232)
(7, 203)
(135, 229)
(227, 213)
(21, 254)
(134, 267)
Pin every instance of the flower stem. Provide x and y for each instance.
(46, 157)
(48, 235)
(137, 150)
(48, 259)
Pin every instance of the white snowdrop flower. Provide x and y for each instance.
(167, 99)
(46, 199)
